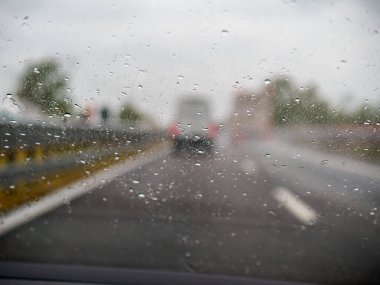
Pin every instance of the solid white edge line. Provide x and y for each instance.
(298, 208)
(26, 213)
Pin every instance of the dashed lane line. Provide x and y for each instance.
(295, 206)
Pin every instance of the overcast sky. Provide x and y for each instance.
(110, 48)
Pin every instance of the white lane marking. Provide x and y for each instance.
(298, 208)
(70, 192)
(248, 166)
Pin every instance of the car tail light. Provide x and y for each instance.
(173, 131)
(213, 131)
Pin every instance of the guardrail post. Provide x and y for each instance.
(38, 154)
(20, 156)
(4, 159)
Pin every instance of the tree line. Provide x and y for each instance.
(44, 85)
(298, 105)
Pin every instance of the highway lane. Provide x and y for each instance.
(260, 209)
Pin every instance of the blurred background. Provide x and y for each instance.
(112, 53)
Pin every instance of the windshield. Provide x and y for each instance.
(235, 138)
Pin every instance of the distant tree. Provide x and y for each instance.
(43, 85)
(129, 113)
(340, 117)
(366, 114)
(295, 105)
(105, 114)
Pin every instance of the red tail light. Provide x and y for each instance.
(173, 131)
(213, 131)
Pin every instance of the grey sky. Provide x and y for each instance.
(109, 48)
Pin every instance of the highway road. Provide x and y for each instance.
(263, 209)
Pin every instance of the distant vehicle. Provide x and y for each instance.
(193, 129)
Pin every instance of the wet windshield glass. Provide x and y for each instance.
(235, 138)
(193, 110)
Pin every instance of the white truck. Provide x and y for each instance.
(193, 129)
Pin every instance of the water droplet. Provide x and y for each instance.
(135, 181)
(268, 155)
(139, 86)
(267, 81)
(323, 162)
(67, 115)
(224, 31)
(297, 155)
(198, 196)
(35, 70)
(141, 195)
(180, 77)
(297, 100)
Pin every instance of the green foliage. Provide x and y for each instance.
(43, 86)
(129, 113)
(294, 105)
(366, 115)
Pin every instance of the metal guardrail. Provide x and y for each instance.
(17, 140)
(33, 171)
(24, 136)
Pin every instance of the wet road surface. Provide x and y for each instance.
(259, 209)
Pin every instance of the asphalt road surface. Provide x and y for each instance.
(258, 209)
